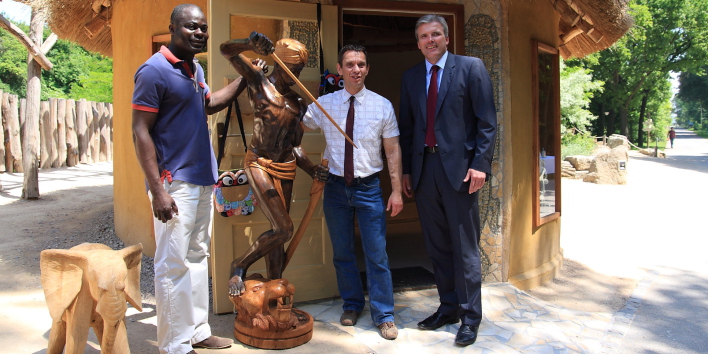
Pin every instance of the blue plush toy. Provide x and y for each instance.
(330, 83)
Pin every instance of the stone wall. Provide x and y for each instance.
(483, 40)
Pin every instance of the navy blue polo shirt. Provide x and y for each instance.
(167, 86)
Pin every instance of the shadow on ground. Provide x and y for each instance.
(581, 288)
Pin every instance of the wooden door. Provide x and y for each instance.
(311, 269)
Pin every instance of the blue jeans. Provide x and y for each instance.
(341, 204)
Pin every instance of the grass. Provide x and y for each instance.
(701, 133)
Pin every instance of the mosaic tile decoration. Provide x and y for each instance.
(307, 33)
(482, 41)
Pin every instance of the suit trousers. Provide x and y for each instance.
(181, 269)
(450, 223)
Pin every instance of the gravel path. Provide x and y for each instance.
(75, 206)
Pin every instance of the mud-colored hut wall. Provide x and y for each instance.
(534, 254)
(132, 33)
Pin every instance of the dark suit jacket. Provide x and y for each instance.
(465, 123)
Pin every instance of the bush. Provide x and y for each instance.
(576, 144)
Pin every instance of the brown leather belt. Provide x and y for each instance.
(356, 181)
(431, 150)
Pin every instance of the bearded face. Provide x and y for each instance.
(266, 304)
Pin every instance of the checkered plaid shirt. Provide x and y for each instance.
(374, 119)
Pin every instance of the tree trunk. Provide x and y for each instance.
(600, 126)
(623, 121)
(72, 142)
(12, 133)
(81, 129)
(611, 123)
(61, 131)
(30, 141)
(640, 133)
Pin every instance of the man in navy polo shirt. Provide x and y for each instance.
(170, 106)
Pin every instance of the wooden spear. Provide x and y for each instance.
(304, 89)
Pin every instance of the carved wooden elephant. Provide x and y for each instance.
(88, 286)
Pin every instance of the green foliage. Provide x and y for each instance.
(689, 111)
(668, 35)
(13, 63)
(576, 144)
(76, 74)
(577, 88)
(691, 100)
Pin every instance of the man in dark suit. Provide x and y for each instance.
(448, 126)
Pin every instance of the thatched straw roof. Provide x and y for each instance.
(589, 26)
(86, 22)
(586, 26)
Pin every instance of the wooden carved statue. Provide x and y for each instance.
(88, 286)
(275, 149)
(273, 155)
(266, 318)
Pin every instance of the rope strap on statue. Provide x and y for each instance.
(277, 170)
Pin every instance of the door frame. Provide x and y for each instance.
(317, 278)
(454, 15)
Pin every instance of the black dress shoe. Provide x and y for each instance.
(466, 335)
(436, 321)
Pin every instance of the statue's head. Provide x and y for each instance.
(266, 304)
(294, 55)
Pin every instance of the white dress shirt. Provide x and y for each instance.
(429, 71)
(374, 119)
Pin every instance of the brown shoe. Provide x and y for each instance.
(349, 317)
(388, 330)
(214, 342)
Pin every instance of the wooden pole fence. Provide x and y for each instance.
(70, 132)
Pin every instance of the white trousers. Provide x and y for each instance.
(181, 269)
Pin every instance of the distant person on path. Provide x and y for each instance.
(672, 136)
(353, 191)
(170, 104)
(447, 139)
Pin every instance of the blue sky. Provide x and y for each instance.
(15, 11)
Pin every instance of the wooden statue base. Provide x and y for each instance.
(299, 334)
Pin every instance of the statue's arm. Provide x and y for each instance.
(222, 98)
(233, 49)
(318, 172)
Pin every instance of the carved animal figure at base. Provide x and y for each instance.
(88, 286)
(266, 304)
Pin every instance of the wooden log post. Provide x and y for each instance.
(89, 132)
(81, 130)
(54, 143)
(110, 131)
(2, 138)
(45, 136)
(13, 150)
(61, 132)
(72, 141)
(104, 134)
(30, 137)
(23, 111)
(97, 114)
(93, 118)
(5, 126)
